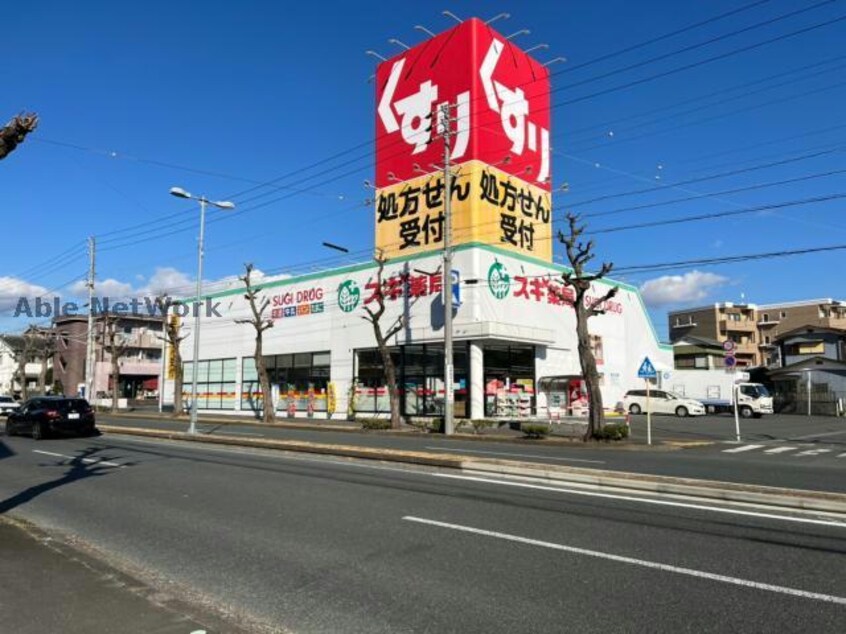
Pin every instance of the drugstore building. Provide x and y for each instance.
(515, 351)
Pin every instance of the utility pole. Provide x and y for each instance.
(445, 125)
(89, 349)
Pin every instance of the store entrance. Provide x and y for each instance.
(509, 381)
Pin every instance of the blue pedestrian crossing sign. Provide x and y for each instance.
(646, 370)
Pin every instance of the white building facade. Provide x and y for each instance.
(512, 333)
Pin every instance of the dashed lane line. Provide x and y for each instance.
(632, 561)
(813, 452)
(105, 463)
(743, 448)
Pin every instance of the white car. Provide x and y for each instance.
(8, 404)
(662, 402)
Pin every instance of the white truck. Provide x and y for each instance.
(715, 389)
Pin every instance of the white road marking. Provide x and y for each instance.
(780, 449)
(644, 563)
(645, 500)
(841, 455)
(831, 433)
(105, 463)
(813, 452)
(743, 448)
(515, 455)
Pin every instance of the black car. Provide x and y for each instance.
(46, 415)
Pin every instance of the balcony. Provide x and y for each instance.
(768, 322)
(833, 322)
(140, 368)
(728, 325)
(690, 324)
(744, 349)
(142, 340)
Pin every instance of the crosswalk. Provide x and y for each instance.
(792, 451)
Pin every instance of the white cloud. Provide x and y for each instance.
(12, 289)
(103, 288)
(167, 279)
(680, 289)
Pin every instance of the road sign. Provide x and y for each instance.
(730, 361)
(729, 345)
(647, 370)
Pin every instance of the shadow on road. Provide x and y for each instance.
(83, 466)
(5, 451)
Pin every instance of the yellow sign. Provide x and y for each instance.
(489, 206)
(330, 398)
(171, 353)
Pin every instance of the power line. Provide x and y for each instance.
(720, 193)
(697, 64)
(722, 115)
(731, 259)
(702, 179)
(721, 214)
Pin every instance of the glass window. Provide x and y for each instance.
(215, 370)
(229, 370)
(320, 358)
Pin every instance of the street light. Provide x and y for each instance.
(222, 204)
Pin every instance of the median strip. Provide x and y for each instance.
(796, 499)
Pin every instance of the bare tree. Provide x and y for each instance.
(173, 337)
(579, 253)
(14, 132)
(115, 347)
(383, 336)
(260, 324)
(22, 351)
(45, 349)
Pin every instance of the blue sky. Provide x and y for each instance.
(217, 97)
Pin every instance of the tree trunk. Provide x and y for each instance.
(22, 378)
(177, 384)
(42, 377)
(115, 381)
(390, 377)
(596, 412)
(267, 408)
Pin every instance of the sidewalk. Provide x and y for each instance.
(46, 586)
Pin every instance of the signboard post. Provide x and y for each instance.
(730, 361)
(647, 372)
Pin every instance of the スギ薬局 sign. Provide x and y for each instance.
(499, 99)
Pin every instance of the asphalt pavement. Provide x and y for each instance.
(49, 586)
(312, 544)
(692, 457)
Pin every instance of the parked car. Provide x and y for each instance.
(46, 415)
(662, 402)
(8, 404)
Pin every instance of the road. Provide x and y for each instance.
(824, 471)
(313, 544)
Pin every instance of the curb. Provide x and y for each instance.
(793, 499)
(549, 440)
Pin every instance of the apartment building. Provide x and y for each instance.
(139, 363)
(754, 328)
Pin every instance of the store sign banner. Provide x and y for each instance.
(498, 95)
(539, 288)
(395, 286)
(297, 303)
(489, 206)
